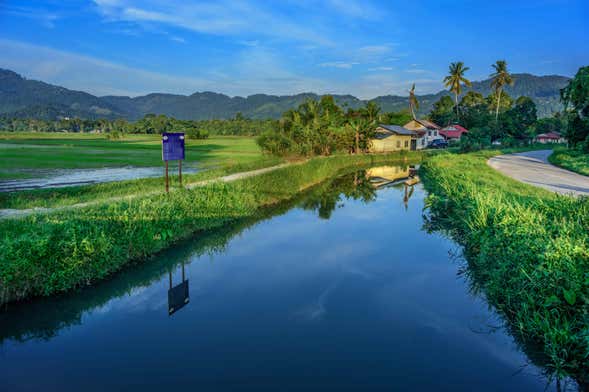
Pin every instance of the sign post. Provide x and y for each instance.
(173, 150)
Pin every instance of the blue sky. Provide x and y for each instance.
(360, 47)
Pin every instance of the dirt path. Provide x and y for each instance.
(532, 167)
(15, 213)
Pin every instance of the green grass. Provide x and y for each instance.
(60, 197)
(573, 160)
(27, 153)
(527, 250)
(44, 254)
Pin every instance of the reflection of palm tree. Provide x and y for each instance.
(413, 102)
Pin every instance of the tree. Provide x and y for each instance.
(575, 97)
(472, 98)
(396, 118)
(442, 112)
(500, 78)
(413, 102)
(371, 111)
(519, 120)
(455, 80)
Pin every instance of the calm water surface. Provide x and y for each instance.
(342, 289)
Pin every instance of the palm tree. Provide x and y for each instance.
(413, 102)
(500, 78)
(455, 79)
(371, 111)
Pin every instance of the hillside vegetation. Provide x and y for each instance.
(24, 98)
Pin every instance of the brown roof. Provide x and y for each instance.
(428, 124)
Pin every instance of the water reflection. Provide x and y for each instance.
(361, 291)
(178, 296)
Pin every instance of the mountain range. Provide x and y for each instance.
(25, 98)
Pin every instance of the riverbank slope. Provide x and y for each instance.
(527, 246)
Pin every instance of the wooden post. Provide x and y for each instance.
(180, 172)
(167, 181)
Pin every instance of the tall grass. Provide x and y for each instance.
(574, 160)
(48, 253)
(528, 249)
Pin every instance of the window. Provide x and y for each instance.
(429, 133)
(398, 144)
(435, 133)
(406, 143)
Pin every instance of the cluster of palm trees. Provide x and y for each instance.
(456, 80)
(322, 128)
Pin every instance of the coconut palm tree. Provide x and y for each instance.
(371, 111)
(413, 102)
(455, 80)
(500, 78)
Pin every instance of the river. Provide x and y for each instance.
(342, 288)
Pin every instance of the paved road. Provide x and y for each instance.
(533, 168)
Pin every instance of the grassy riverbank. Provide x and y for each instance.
(44, 254)
(573, 160)
(527, 249)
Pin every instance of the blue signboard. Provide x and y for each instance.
(172, 146)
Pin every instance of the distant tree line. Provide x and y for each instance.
(150, 124)
(321, 127)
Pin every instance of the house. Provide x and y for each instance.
(426, 131)
(550, 137)
(453, 132)
(392, 138)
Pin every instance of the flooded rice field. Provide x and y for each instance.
(72, 177)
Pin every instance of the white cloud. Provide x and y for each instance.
(255, 70)
(417, 71)
(356, 9)
(381, 69)
(338, 64)
(227, 17)
(44, 17)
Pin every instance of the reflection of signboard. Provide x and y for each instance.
(172, 146)
(178, 297)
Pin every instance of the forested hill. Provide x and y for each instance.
(24, 98)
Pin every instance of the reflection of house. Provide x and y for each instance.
(383, 175)
(453, 132)
(392, 138)
(426, 131)
(550, 137)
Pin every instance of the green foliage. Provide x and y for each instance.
(322, 128)
(518, 122)
(443, 112)
(549, 124)
(575, 97)
(527, 250)
(150, 124)
(396, 118)
(571, 159)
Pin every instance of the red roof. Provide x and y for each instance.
(454, 131)
(549, 135)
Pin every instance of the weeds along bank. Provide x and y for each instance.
(44, 254)
(528, 250)
(574, 160)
